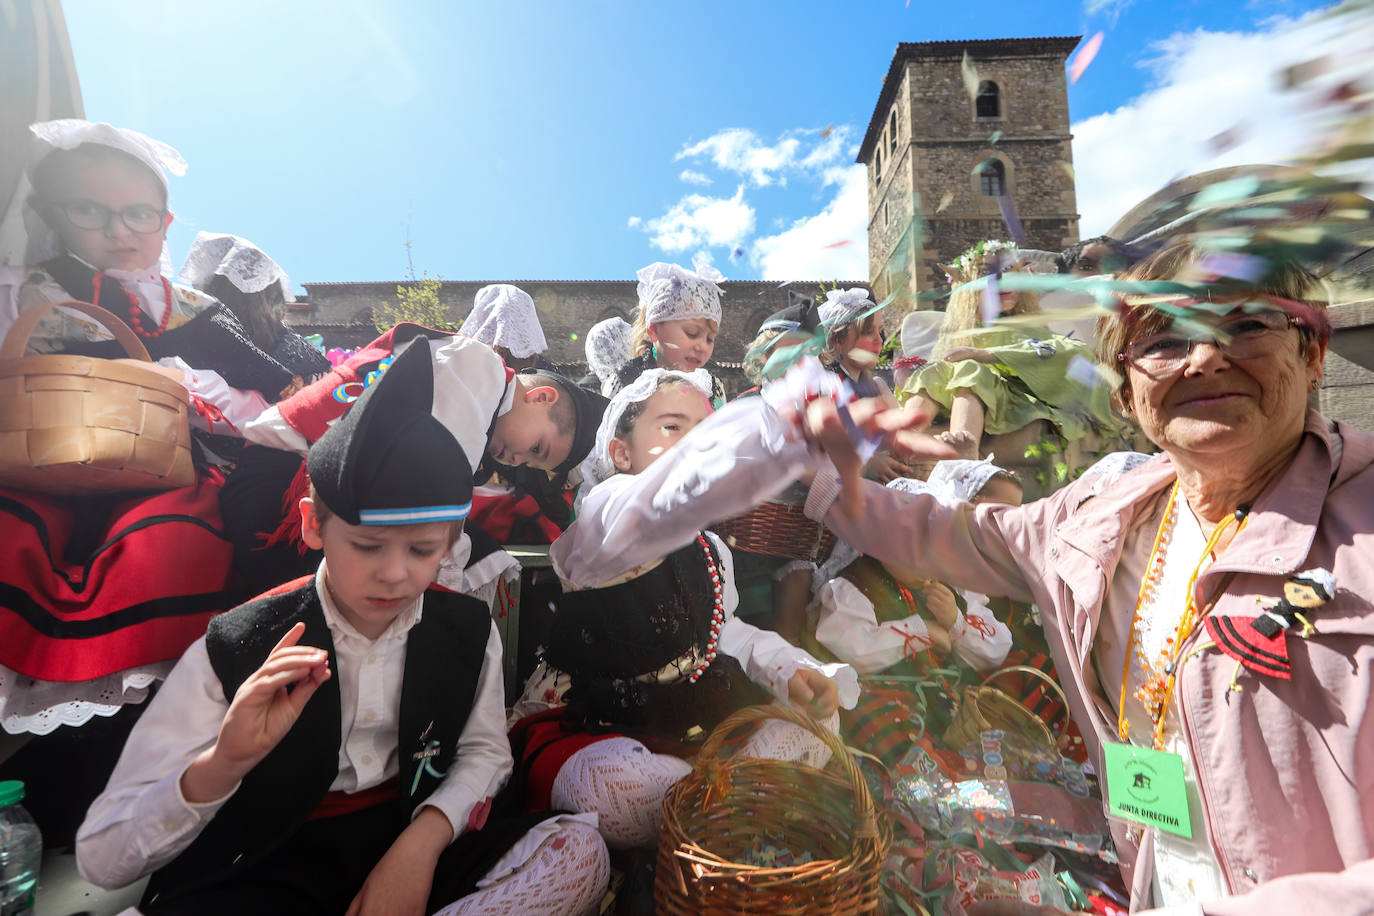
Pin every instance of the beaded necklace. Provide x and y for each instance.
(717, 612)
(136, 312)
(1162, 673)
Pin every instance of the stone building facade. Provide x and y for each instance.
(929, 137)
(342, 313)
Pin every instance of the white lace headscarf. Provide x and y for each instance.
(608, 348)
(1109, 467)
(504, 316)
(962, 479)
(668, 292)
(842, 306)
(235, 259)
(597, 466)
(920, 330)
(24, 237)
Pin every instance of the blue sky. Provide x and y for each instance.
(543, 140)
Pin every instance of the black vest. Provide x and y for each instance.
(444, 655)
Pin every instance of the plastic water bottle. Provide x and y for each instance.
(21, 850)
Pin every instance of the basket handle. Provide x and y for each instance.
(17, 338)
(710, 752)
(1037, 673)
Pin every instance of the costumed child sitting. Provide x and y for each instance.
(524, 505)
(499, 417)
(993, 377)
(335, 744)
(646, 656)
(775, 547)
(107, 589)
(677, 323)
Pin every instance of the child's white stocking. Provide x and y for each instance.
(624, 783)
(566, 876)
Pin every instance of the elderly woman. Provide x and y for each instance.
(1157, 589)
(1157, 593)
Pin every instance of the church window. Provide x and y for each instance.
(878, 165)
(892, 134)
(988, 103)
(992, 178)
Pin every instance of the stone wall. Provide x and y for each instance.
(342, 312)
(1347, 391)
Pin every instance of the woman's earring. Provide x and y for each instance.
(654, 351)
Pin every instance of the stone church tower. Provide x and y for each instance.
(933, 146)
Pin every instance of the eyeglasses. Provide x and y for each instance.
(87, 214)
(1245, 336)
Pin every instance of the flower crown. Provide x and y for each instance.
(980, 252)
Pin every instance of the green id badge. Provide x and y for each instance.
(1146, 786)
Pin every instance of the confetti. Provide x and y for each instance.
(573, 335)
(996, 135)
(737, 254)
(1067, 168)
(945, 201)
(656, 450)
(970, 74)
(839, 244)
(1018, 234)
(1084, 57)
(830, 129)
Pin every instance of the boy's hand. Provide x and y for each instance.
(939, 600)
(813, 692)
(263, 710)
(399, 884)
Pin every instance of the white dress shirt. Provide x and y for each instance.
(142, 821)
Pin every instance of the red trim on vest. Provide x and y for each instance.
(337, 804)
(288, 530)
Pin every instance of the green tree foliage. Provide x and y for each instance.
(417, 301)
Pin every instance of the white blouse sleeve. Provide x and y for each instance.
(734, 460)
(226, 410)
(847, 625)
(767, 658)
(977, 636)
(142, 821)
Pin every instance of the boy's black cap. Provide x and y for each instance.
(388, 461)
(588, 406)
(800, 315)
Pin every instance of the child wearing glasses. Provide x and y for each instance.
(992, 377)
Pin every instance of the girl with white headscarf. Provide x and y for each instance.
(677, 323)
(504, 318)
(608, 349)
(654, 651)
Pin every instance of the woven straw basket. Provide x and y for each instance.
(724, 807)
(987, 708)
(777, 530)
(74, 424)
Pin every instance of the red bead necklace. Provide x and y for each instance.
(135, 311)
(717, 613)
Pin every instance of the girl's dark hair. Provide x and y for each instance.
(257, 310)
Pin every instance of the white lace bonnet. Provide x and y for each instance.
(504, 316)
(597, 466)
(668, 292)
(920, 331)
(961, 479)
(842, 306)
(24, 237)
(235, 259)
(608, 348)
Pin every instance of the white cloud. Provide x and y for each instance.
(802, 251)
(693, 177)
(1207, 84)
(740, 150)
(634, 222)
(700, 221)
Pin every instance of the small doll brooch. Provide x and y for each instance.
(1260, 643)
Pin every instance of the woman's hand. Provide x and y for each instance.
(813, 692)
(823, 425)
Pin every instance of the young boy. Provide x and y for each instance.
(334, 745)
(537, 418)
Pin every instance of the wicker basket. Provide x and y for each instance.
(987, 708)
(777, 530)
(713, 817)
(74, 424)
